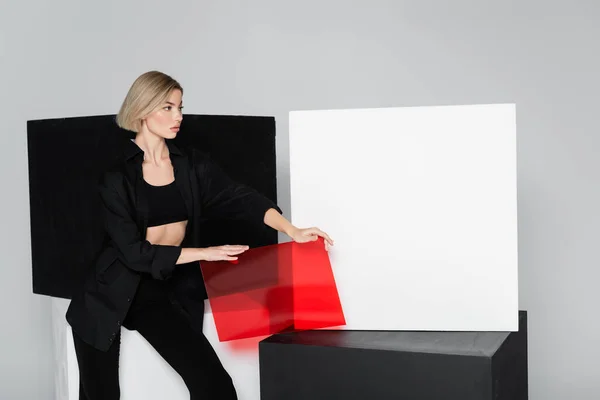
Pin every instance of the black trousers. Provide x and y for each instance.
(168, 331)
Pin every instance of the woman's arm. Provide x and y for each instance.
(215, 253)
(141, 255)
(278, 222)
(137, 253)
(222, 197)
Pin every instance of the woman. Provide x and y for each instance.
(146, 277)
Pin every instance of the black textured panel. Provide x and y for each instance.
(68, 155)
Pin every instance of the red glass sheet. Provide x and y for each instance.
(272, 289)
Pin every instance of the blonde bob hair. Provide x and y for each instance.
(147, 93)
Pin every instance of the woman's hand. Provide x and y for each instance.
(310, 235)
(222, 253)
(279, 223)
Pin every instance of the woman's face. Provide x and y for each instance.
(165, 121)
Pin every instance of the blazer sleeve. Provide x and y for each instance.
(138, 253)
(224, 198)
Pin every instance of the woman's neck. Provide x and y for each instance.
(154, 147)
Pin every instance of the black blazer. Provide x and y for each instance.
(97, 310)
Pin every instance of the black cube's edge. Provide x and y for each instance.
(395, 365)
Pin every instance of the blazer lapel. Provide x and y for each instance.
(134, 156)
(141, 200)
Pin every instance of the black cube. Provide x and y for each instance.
(395, 365)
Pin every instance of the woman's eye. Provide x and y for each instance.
(168, 108)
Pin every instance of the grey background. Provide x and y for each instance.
(73, 58)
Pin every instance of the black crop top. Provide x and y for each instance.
(165, 204)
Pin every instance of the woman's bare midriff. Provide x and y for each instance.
(168, 234)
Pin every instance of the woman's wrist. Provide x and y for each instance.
(190, 254)
(291, 231)
(199, 253)
(278, 222)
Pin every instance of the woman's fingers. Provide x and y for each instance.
(234, 247)
(227, 251)
(232, 252)
(325, 236)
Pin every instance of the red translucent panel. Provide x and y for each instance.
(272, 289)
